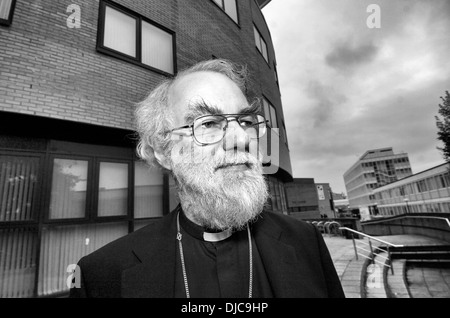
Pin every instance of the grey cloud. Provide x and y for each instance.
(327, 100)
(345, 57)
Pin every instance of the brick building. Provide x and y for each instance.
(70, 74)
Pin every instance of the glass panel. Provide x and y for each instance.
(219, 3)
(157, 48)
(148, 191)
(69, 185)
(273, 115)
(173, 194)
(264, 50)
(5, 6)
(267, 111)
(18, 180)
(113, 189)
(257, 38)
(231, 10)
(62, 246)
(120, 32)
(17, 262)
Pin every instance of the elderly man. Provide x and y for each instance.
(219, 242)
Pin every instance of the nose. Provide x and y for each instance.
(235, 139)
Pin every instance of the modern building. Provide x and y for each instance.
(302, 198)
(70, 75)
(325, 199)
(374, 169)
(424, 192)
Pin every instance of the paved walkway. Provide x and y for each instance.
(350, 270)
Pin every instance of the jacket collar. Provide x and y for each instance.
(155, 275)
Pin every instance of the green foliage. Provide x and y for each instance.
(443, 125)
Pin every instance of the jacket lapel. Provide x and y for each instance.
(154, 276)
(284, 269)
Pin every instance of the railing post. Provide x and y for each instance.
(390, 259)
(354, 246)
(371, 252)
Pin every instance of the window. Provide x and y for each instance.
(270, 113)
(18, 182)
(113, 189)
(6, 11)
(261, 44)
(275, 72)
(69, 188)
(64, 245)
(64, 200)
(148, 191)
(131, 37)
(230, 8)
(157, 46)
(17, 262)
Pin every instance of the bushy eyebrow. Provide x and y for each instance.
(253, 108)
(199, 108)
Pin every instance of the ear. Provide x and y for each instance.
(162, 160)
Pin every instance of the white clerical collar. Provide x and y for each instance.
(200, 233)
(216, 237)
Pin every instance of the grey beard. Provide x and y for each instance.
(219, 199)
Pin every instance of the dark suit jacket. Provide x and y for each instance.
(142, 264)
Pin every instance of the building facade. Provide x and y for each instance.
(302, 198)
(326, 200)
(374, 169)
(70, 75)
(424, 192)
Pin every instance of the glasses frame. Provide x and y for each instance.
(234, 117)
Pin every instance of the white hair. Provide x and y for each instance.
(154, 117)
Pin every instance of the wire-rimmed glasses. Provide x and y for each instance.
(210, 129)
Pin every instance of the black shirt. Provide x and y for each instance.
(218, 269)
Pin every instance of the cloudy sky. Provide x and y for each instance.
(347, 88)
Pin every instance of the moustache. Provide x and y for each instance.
(236, 159)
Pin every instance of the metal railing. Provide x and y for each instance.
(412, 216)
(371, 249)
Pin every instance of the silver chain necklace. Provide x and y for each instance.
(183, 266)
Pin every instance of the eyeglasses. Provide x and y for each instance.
(210, 129)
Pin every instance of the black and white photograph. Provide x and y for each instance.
(225, 153)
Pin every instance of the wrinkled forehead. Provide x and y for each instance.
(203, 93)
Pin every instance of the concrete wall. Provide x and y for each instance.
(434, 226)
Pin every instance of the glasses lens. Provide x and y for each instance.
(254, 125)
(209, 129)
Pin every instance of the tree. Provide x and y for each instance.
(443, 125)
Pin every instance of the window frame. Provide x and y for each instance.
(269, 118)
(259, 48)
(48, 189)
(36, 208)
(139, 19)
(96, 191)
(164, 176)
(8, 22)
(223, 8)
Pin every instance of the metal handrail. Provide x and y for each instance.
(370, 237)
(429, 217)
(411, 215)
(371, 252)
